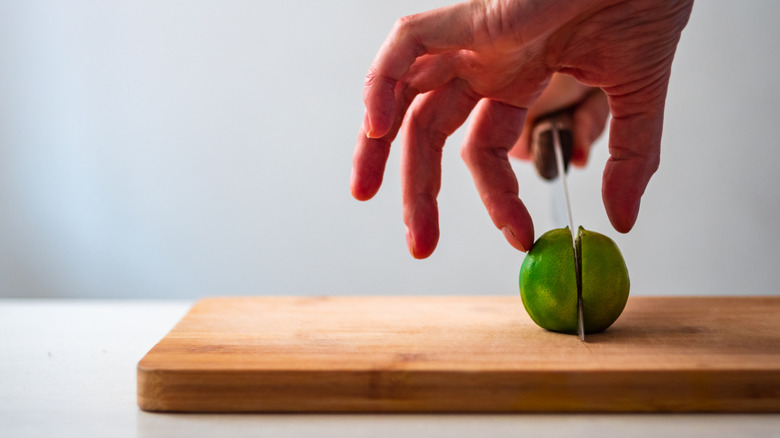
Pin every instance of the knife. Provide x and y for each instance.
(552, 144)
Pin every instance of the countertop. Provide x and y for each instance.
(68, 368)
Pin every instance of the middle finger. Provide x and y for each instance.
(432, 118)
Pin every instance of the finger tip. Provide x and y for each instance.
(364, 183)
(360, 196)
(355, 189)
(420, 247)
(579, 157)
(622, 228)
(421, 253)
(360, 192)
(622, 195)
(519, 244)
(623, 218)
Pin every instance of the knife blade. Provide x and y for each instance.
(552, 146)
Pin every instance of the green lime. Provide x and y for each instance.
(548, 282)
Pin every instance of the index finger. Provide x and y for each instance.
(429, 32)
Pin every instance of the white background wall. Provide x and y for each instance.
(180, 149)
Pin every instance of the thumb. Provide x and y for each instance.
(635, 152)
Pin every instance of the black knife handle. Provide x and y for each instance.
(542, 149)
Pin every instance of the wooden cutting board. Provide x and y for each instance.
(465, 354)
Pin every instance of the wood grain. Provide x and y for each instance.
(463, 354)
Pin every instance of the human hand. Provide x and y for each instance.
(493, 60)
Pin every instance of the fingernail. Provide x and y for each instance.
(634, 215)
(410, 242)
(512, 239)
(366, 126)
(369, 131)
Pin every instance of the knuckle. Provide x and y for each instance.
(406, 29)
(370, 77)
(468, 154)
(404, 24)
(653, 163)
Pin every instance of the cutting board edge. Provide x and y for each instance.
(420, 391)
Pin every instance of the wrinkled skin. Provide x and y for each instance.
(494, 60)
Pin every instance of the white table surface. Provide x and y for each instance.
(67, 369)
